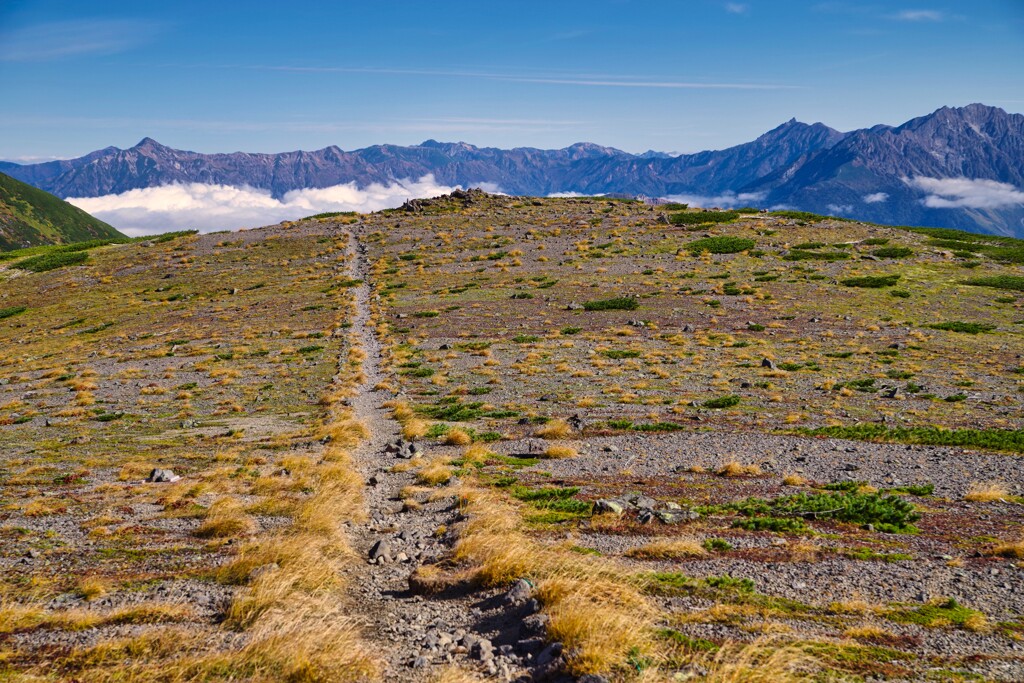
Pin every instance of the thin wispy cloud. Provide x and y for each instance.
(577, 80)
(920, 15)
(67, 39)
(737, 7)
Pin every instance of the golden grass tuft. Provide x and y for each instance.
(986, 492)
(437, 471)
(866, 632)
(346, 432)
(226, 518)
(794, 479)
(414, 428)
(762, 661)
(555, 429)
(675, 549)
(737, 469)
(92, 587)
(1011, 549)
(457, 437)
(559, 452)
(477, 454)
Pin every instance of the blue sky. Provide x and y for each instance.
(667, 75)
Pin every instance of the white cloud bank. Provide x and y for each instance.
(726, 200)
(206, 208)
(966, 193)
(875, 197)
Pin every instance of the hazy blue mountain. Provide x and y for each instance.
(908, 174)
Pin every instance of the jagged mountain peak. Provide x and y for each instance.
(807, 165)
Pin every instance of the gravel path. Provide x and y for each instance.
(413, 633)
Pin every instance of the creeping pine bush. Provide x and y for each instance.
(625, 303)
(723, 244)
(871, 281)
(52, 261)
(702, 217)
(889, 514)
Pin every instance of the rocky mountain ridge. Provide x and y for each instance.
(871, 174)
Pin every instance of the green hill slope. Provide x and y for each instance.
(30, 217)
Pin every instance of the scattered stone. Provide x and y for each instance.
(381, 549)
(159, 476)
(520, 592)
(609, 505)
(768, 363)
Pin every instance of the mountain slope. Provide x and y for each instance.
(935, 170)
(976, 142)
(31, 217)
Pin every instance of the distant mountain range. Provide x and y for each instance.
(957, 167)
(30, 217)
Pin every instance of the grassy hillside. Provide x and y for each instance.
(768, 447)
(31, 217)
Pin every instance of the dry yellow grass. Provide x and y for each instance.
(762, 661)
(595, 609)
(436, 471)
(457, 437)
(555, 429)
(477, 454)
(675, 549)
(736, 469)
(1012, 549)
(226, 518)
(986, 492)
(92, 587)
(559, 452)
(794, 479)
(414, 429)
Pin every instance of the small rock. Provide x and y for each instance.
(162, 476)
(768, 363)
(520, 592)
(380, 549)
(609, 505)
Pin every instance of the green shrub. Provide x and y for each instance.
(702, 217)
(1011, 282)
(871, 281)
(625, 303)
(936, 614)
(722, 402)
(722, 244)
(807, 216)
(716, 544)
(616, 354)
(876, 241)
(960, 326)
(810, 245)
(885, 513)
(900, 293)
(12, 311)
(800, 255)
(52, 261)
(893, 252)
(995, 439)
(525, 338)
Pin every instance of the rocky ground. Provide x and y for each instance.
(674, 451)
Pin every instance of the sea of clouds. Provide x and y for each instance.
(209, 208)
(966, 193)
